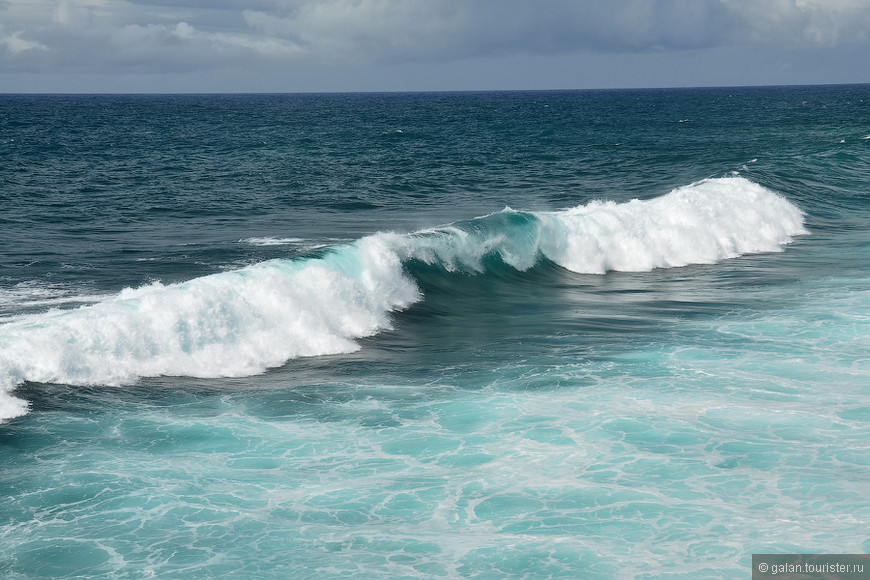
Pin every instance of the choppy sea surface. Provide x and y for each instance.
(607, 334)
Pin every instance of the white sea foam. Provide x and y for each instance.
(271, 241)
(31, 294)
(229, 324)
(34, 293)
(702, 223)
(245, 321)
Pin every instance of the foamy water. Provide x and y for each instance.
(241, 339)
(242, 322)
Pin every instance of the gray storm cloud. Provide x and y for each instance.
(98, 33)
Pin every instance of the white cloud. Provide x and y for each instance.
(112, 35)
(802, 23)
(15, 44)
(220, 41)
(80, 12)
(117, 36)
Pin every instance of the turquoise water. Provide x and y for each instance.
(543, 335)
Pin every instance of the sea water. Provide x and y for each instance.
(599, 334)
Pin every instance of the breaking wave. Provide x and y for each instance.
(243, 322)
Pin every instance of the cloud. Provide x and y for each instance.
(115, 35)
(435, 29)
(14, 44)
(801, 23)
(409, 29)
(111, 36)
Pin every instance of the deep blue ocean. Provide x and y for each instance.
(591, 334)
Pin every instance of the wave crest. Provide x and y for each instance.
(702, 223)
(243, 322)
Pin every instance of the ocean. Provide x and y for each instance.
(573, 334)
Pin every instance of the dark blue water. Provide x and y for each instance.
(557, 334)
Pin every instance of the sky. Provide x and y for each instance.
(248, 46)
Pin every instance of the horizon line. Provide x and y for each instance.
(426, 91)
